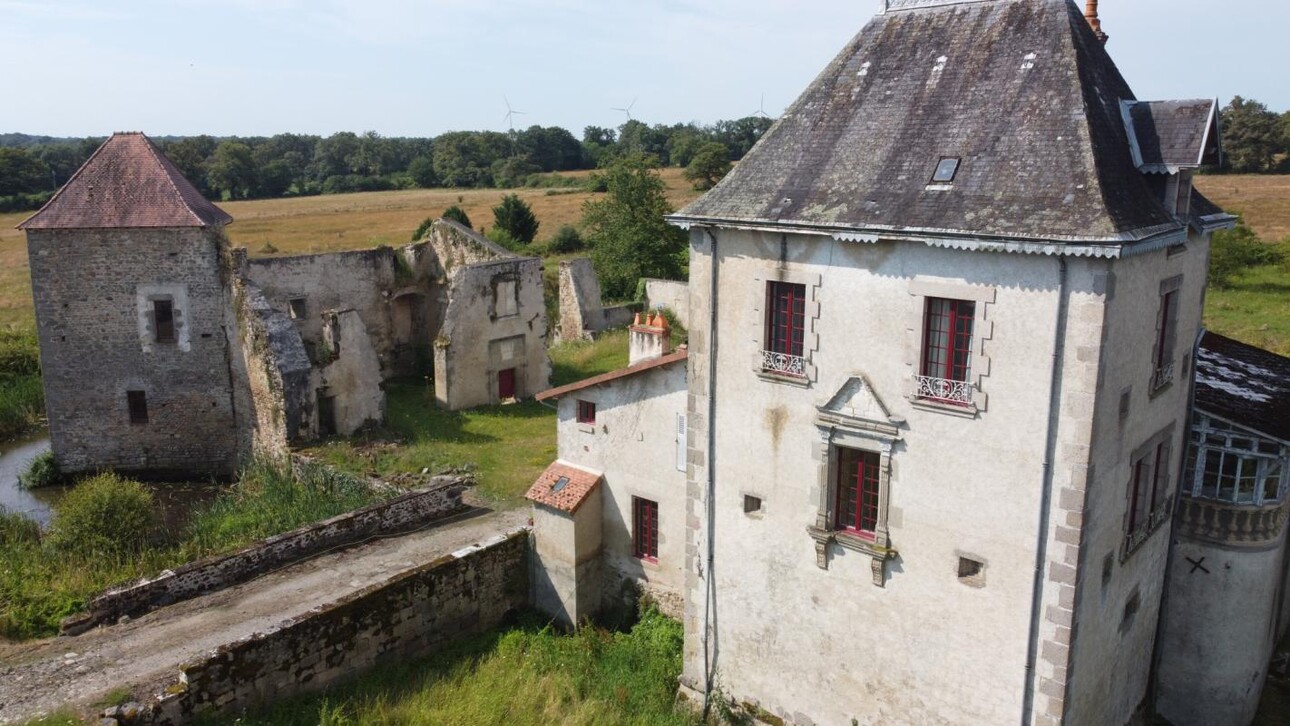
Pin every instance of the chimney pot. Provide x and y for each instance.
(1090, 14)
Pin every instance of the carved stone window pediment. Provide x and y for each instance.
(854, 418)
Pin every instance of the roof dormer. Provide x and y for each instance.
(1170, 140)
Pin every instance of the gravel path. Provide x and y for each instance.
(144, 655)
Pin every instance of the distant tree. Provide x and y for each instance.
(232, 170)
(62, 159)
(273, 179)
(683, 144)
(21, 172)
(709, 166)
(515, 217)
(1252, 136)
(551, 148)
(636, 138)
(458, 215)
(513, 172)
(740, 135)
(192, 157)
(421, 169)
(465, 158)
(600, 145)
(332, 155)
(628, 235)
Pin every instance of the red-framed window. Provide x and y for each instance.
(1167, 323)
(947, 339)
(858, 481)
(586, 412)
(1148, 485)
(645, 529)
(786, 317)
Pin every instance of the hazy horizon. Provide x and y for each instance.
(409, 68)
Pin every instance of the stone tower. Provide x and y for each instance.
(133, 308)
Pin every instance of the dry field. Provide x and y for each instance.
(1263, 199)
(353, 221)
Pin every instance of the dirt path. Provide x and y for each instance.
(144, 654)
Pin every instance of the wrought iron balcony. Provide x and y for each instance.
(783, 364)
(945, 390)
(1163, 377)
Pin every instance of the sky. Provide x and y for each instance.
(422, 67)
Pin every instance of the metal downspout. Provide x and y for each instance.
(1046, 494)
(710, 591)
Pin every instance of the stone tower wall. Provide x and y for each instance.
(93, 292)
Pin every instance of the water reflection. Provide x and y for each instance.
(175, 501)
(14, 458)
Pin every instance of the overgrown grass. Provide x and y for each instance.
(528, 674)
(40, 583)
(507, 447)
(22, 398)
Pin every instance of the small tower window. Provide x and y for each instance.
(297, 308)
(163, 321)
(946, 169)
(137, 402)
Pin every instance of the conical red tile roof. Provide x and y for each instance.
(128, 182)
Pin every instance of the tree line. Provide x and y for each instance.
(32, 167)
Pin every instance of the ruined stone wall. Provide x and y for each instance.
(276, 372)
(353, 377)
(582, 313)
(673, 295)
(407, 616)
(494, 320)
(401, 514)
(360, 280)
(93, 292)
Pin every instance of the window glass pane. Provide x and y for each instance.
(787, 318)
(1246, 479)
(945, 170)
(1271, 481)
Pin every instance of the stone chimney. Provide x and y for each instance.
(650, 339)
(1090, 14)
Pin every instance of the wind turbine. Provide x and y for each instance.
(627, 110)
(761, 109)
(511, 113)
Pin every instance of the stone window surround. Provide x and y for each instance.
(923, 287)
(1133, 541)
(497, 289)
(177, 294)
(1168, 285)
(757, 322)
(839, 431)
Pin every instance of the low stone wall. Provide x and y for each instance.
(671, 294)
(400, 514)
(407, 616)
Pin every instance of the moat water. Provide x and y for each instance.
(14, 458)
(175, 501)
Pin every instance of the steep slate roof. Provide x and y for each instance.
(127, 182)
(1021, 90)
(1245, 385)
(567, 497)
(1169, 135)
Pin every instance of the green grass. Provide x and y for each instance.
(22, 398)
(527, 674)
(507, 447)
(40, 584)
(1254, 308)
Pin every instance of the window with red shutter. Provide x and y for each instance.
(645, 528)
(785, 328)
(586, 412)
(946, 367)
(858, 482)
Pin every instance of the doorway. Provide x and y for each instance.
(506, 384)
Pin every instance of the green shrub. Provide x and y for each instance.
(41, 472)
(1233, 251)
(458, 215)
(567, 239)
(19, 353)
(505, 239)
(516, 217)
(22, 404)
(422, 228)
(104, 514)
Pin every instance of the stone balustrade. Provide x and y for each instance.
(1230, 524)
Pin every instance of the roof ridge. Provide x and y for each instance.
(167, 168)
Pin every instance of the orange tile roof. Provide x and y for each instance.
(563, 486)
(127, 182)
(679, 355)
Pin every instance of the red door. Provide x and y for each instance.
(506, 384)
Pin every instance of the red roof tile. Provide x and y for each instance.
(563, 486)
(128, 182)
(681, 354)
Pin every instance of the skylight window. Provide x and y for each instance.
(560, 484)
(945, 170)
